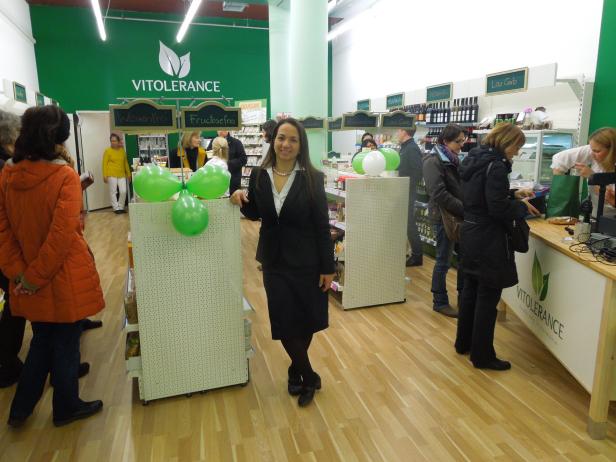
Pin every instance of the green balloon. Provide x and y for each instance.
(392, 158)
(155, 184)
(188, 215)
(358, 161)
(209, 182)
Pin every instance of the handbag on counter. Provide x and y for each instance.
(452, 225)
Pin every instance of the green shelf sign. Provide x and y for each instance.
(437, 93)
(19, 93)
(211, 116)
(360, 120)
(143, 116)
(395, 100)
(313, 123)
(363, 105)
(507, 82)
(334, 125)
(398, 119)
(40, 99)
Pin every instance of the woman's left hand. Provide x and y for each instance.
(584, 170)
(521, 194)
(531, 208)
(325, 281)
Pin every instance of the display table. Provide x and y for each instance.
(568, 300)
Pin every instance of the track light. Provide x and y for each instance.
(190, 14)
(99, 19)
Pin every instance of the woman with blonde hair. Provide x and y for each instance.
(190, 154)
(598, 156)
(490, 210)
(220, 148)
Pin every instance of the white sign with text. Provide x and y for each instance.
(560, 301)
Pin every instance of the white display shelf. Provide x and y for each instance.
(336, 192)
(423, 205)
(374, 270)
(131, 327)
(338, 224)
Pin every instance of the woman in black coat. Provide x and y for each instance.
(490, 209)
(295, 248)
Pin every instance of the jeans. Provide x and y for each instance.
(54, 349)
(412, 231)
(476, 321)
(444, 250)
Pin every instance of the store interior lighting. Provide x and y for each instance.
(190, 14)
(99, 19)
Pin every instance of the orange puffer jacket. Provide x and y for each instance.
(41, 239)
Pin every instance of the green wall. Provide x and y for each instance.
(83, 73)
(604, 95)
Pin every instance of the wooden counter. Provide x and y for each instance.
(568, 300)
(553, 236)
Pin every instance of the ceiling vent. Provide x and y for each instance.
(233, 7)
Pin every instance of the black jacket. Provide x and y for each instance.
(299, 239)
(489, 212)
(410, 163)
(442, 184)
(237, 159)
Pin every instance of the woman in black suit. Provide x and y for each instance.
(295, 249)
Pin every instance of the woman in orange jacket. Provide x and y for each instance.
(53, 278)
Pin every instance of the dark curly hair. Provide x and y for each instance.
(42, 128)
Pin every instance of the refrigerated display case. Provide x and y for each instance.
(533, 164)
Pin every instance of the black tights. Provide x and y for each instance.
(297, 349)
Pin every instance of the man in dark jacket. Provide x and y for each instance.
(237, 159)
(410, 166)
(440, 169)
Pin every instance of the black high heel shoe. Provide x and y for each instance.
(294, 384)
(308, 391)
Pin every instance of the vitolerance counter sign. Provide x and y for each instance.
(560, 301)
(178, 67)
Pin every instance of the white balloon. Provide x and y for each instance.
(218, 162)
(374, 163)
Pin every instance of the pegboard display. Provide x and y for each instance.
(190, 301)
(375, 241)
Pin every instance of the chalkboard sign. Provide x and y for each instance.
(40, 99)
(360, 120)
(141, 116)
(19, 93)
(398, 119)
(507, 82)
(211, 116)
(363, 105)
(334, 124)
(313, 123)
(437, 93)
(396, 100)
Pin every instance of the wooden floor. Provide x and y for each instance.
(393, 390)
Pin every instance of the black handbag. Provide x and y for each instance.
(520, 235)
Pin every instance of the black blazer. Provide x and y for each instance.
(299, 239)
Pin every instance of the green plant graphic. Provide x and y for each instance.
(540, 280)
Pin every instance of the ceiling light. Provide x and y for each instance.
(233, 7)
(99, 19)
(190, 14)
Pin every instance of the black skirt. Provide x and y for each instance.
(297, 306)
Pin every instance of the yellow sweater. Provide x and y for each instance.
(115, 163)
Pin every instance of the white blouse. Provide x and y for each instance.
(279, 197)
(566, 160)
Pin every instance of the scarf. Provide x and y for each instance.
(453, 158)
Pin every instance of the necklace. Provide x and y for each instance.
(281, 173)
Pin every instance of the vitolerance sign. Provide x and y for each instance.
(178, 67)
(560, 301)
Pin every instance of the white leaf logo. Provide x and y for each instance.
(184, 66)
(168, 60)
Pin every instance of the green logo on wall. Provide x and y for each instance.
(540, 280)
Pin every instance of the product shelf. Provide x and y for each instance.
(336, 192)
